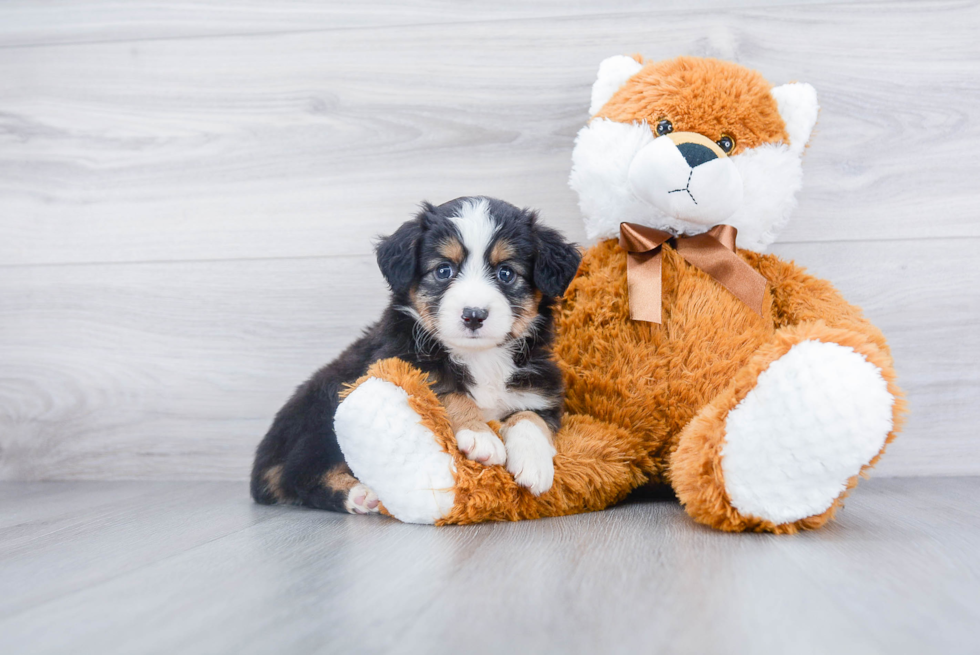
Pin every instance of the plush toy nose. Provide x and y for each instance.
(473, 317)
(696, 148)
(696, 154)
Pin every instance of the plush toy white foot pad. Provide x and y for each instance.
(815, 417)
(388, 449)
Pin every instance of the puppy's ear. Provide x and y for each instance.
(398, 254)
(555, 261)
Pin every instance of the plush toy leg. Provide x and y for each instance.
(392, 436)
(779, 449)
(397, 439)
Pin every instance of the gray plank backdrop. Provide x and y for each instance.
(188, 194)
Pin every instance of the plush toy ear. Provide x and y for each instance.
(555, 261)
(398, 254)
(613, 73)
(798, 106)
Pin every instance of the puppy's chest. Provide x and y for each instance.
(491, 371)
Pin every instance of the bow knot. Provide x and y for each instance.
(713, 252)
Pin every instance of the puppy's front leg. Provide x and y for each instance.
(473, 436)
(530, 451)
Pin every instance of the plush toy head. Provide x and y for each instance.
(686, 144)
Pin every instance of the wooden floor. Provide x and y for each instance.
(128, 567)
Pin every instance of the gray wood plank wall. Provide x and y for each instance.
(188, 194)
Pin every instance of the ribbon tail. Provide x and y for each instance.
(643, 277)
(643, 269)
(706, 252)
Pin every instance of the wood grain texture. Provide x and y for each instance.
(153, 521)
(164, 371)
(195, 568)
(188, 194)
(309, 144)
(29, 24)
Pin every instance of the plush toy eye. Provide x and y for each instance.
(506, 274)
(664, 127)
(726, 143)
(444, 271)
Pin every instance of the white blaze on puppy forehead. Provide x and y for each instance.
(473, 286)
(476, 230)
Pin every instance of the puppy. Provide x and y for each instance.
(473, 283)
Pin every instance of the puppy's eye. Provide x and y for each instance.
(664, 127)
(726, 143)
(444, 271)
(506, 274)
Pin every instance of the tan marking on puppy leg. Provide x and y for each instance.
(464, 414)
(513, 419)
(502, 251)
(273, 483)
(338, 478)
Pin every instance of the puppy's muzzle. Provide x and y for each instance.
(687, 176)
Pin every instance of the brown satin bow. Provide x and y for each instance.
(713, 252)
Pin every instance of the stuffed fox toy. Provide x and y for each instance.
(690, 358)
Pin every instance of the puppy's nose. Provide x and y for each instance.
(696, 154)
(473, 317)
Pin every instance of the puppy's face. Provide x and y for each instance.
(474, 271)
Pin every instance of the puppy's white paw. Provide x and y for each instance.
(530, 457)
(361, 499)
(481, 446)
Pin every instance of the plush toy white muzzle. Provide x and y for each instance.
(687, 176)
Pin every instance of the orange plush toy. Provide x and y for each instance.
(750, 387)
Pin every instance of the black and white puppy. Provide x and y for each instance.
(473, 285)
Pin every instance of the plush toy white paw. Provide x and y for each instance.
(815, 417)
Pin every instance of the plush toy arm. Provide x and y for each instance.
(799, 298)
(397, 439)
